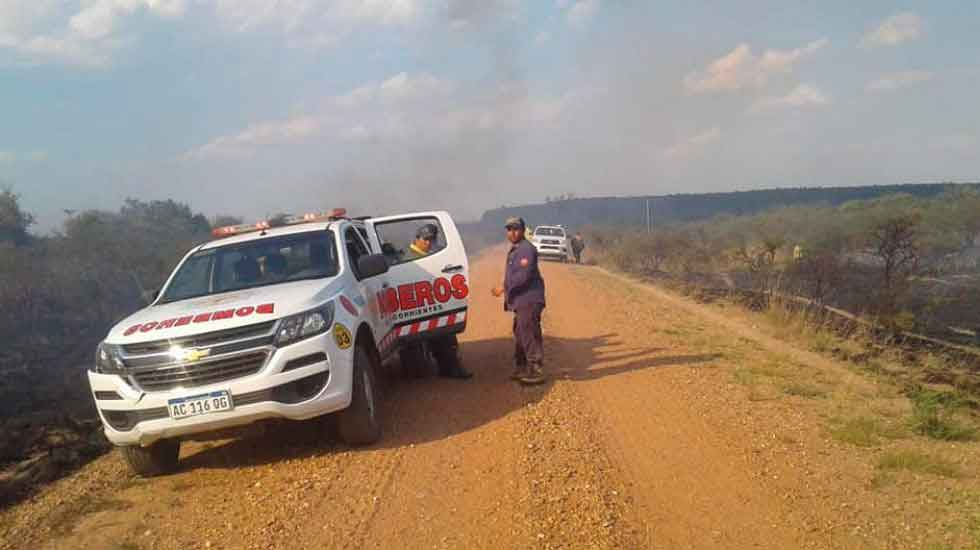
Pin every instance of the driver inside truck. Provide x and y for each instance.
(246, 270)
(274, 266)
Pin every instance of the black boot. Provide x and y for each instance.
(447, 356)
(456, 372)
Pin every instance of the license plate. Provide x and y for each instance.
(204, 403)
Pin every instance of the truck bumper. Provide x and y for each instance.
(552, 253)
(135, 417)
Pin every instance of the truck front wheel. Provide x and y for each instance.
(157, 459)
(358, 424)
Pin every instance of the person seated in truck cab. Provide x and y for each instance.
(274, 267)
(424, 243)
(319, 262)
(246, 270)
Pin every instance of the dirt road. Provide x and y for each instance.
(644, 439)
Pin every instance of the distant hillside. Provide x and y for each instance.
(690, 207)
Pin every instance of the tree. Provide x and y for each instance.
(821, 272)
(222, 220)
(894, 243)
(13, 220)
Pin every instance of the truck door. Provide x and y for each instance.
(428, 287)
(367, 288)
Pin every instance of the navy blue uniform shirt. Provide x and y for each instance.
(523, 284)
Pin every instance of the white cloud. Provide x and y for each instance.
(406, 109)
(894, 30)
(542, 37)
(403, 87)
(316, 19)
(895, 81)
(82, 33)
(90, 32)
(292, 130)
(581, 12)
(802, 96)
(692, 144)
(784, 60)
(740, 68)
(465, 14)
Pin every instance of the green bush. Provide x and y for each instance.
(934, 416)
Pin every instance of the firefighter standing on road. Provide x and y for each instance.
(578, 245)
(523, 293)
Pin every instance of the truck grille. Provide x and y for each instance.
(200, 340)
(200, 374)
(222, 355)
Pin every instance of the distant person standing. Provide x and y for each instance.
(523, 292)
(578, 245)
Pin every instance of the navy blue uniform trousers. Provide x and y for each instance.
(528, 340)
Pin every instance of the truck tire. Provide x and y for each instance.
(358, 424)
(416, 360)
(158, 459)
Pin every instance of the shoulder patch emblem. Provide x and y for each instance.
(524, 262)
(342, 336)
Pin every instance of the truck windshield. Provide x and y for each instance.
(255, 263)
(550, 231)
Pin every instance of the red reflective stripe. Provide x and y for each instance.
(415, 328)
(452, 320)
(433, 324)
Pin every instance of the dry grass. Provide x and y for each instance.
(919, 463)
(805, 389)
(863, 431)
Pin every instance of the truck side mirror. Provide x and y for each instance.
(372, 265)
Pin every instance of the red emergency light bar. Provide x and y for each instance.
(229, 230)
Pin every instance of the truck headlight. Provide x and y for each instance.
(107, 360)
(301, 326)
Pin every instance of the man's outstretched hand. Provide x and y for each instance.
(497, 291)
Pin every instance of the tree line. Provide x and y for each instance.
(60, 293)
(884, 257)
(573, 211)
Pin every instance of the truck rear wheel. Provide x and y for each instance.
(358, 424)
(157, 459)
(416, 360)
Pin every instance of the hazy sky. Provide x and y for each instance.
(258, 106)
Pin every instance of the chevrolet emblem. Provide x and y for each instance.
(190, 355)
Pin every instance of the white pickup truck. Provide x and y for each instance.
(551, 242)
(287, 319)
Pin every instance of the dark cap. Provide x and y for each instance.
(515, 222)
(427, 232)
